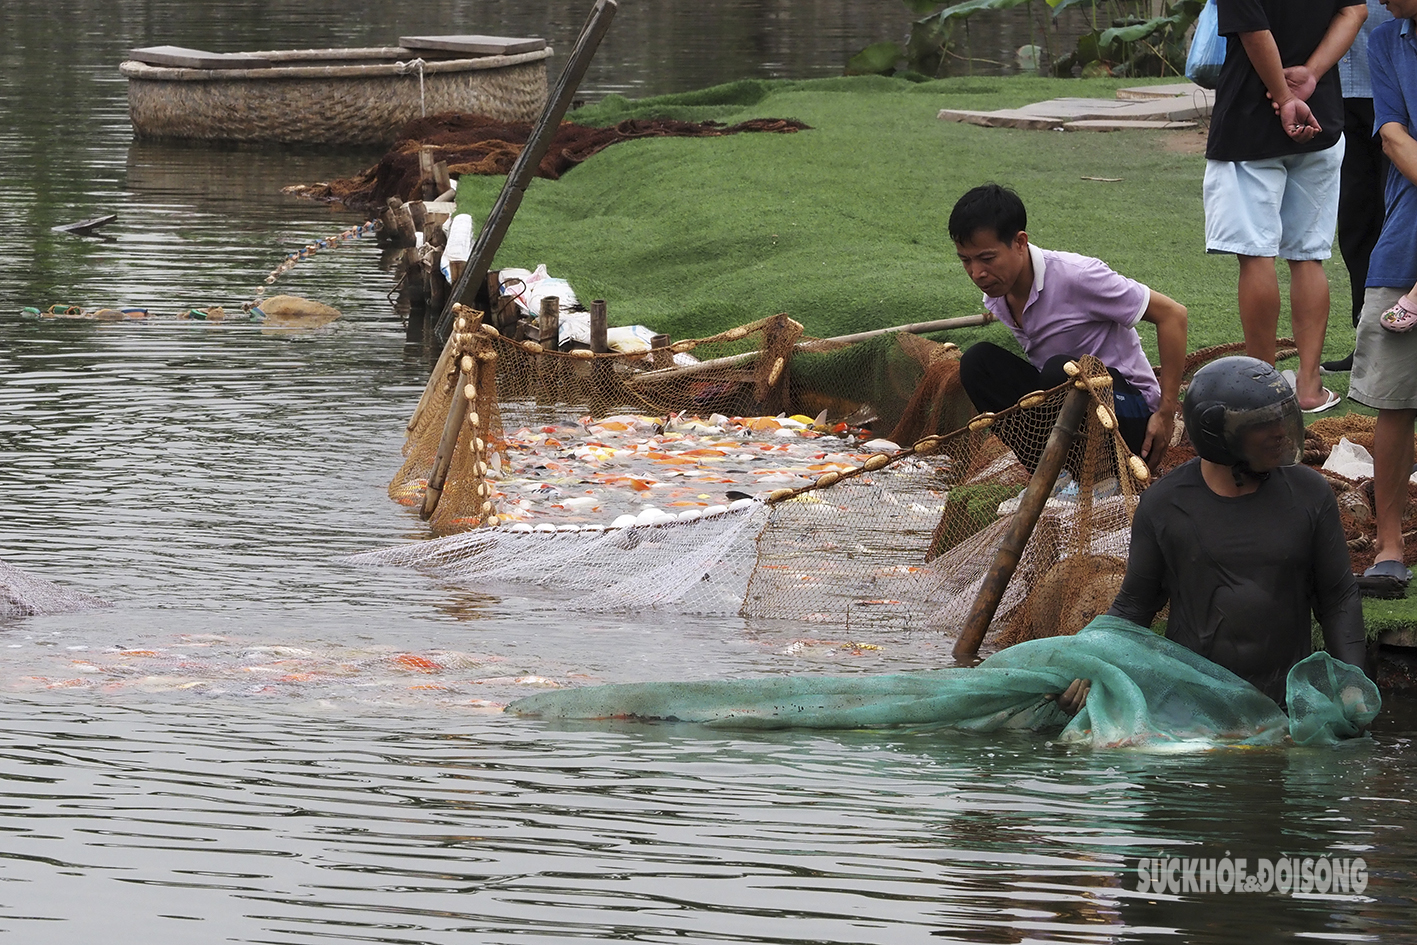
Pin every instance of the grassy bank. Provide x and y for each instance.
(843, 227)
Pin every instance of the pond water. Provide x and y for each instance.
(257, 743)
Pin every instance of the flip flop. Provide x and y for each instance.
(1399, 318)
(1332, 401)
(1291, 378)
(1386, 579)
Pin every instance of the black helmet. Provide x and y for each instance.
(1230, 398)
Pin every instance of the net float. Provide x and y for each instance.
(983, 422)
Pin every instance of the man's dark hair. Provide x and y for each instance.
(988, 207)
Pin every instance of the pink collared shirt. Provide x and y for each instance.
(1078, 306)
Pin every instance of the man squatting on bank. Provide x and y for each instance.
(1059, 307)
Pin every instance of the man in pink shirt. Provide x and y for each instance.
(1059, 307)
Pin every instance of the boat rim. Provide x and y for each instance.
(403, 64)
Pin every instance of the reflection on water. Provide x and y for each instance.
(260, 744)
(263, 827)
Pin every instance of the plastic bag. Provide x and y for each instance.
(459, 248)
(1207, 53)
(527, 288)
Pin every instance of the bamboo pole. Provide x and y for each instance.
(918, 328)
(524, 169)
(452, 426)
(439, 370)
(1040, 487)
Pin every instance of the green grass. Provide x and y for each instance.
(843, 227)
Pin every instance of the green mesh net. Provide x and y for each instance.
(1146, 692)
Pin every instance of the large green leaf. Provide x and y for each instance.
(925, 51)
(876, 59)
(970, 7)
(1136, 31)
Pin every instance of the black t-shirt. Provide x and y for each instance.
(1243, 124)
(1244, 573)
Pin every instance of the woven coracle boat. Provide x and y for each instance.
(331, 96)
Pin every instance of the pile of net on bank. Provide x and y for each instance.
(512, 459)
(1146, 692)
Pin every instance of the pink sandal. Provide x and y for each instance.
(1399, 318)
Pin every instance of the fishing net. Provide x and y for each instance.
(1146, 692)
(23, 595)
(744, 473)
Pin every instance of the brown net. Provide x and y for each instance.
(743, 473)
(478, 144)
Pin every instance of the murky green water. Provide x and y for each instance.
(259, 744)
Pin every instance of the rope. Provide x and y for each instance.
(404, 68)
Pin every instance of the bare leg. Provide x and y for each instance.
(1308, 305)
(1392, 465)
(1259, 305)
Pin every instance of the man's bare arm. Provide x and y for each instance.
(1400, 148)
(1169, 317)
(1342, 30)
(1294, 115)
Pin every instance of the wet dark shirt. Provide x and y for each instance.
(1243, 124)
(1243, 574)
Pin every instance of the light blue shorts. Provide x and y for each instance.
(1285, 206)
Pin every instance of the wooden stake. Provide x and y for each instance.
(549, 333)
(427, 186)
(1040, 487)
(660, 353)
(599, 325)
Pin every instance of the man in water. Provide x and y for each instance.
(1243, 542)
(1059, 307)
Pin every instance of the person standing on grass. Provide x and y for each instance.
(1364, 170)
(1272, 167)
(1385, 360)
(1061, 306)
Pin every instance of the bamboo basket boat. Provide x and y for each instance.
(356, 96)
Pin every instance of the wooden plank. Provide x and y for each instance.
(1057, 113)
(475, 45)
(1102, 124)
(84, 226)
(1165, 91)
(180, 57)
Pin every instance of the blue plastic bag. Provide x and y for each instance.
(1207, 53)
